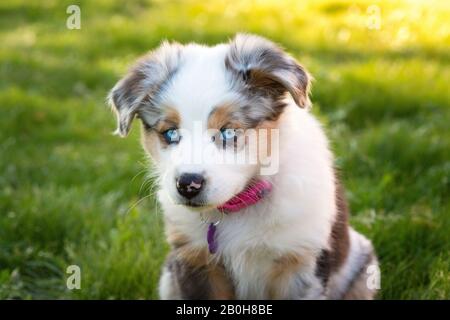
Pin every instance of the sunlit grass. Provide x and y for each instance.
(67, 193)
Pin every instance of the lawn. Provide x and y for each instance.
(73, 194)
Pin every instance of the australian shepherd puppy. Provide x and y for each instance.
(252, 205)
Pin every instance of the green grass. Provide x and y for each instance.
(70, 191)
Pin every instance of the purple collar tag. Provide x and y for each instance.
(211, 238)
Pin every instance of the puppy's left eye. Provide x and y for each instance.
(171, 136)
(227, 133)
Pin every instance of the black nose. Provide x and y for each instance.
(190, 184)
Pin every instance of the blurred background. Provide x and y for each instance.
(73, 194)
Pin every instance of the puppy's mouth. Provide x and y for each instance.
(197, 205)
(194, 204)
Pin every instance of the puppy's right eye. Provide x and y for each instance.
(228, 133)
(171, 136)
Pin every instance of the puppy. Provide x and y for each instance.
(243, 229)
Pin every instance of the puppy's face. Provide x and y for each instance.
(204, 111)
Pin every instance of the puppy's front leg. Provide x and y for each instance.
(188, 274)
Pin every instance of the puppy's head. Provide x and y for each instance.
(197, 105)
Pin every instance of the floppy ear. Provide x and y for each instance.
(142, 83)
(264, 67)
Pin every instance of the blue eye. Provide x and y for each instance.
(228, 134)
(171, 136)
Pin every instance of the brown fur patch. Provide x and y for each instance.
(331, 259)
(150, 135)
(265, 83)
(249, 112)
(197, 276)
(170, 119)
(221, 116)
(340, 239)
(194, 256)
(175, 238)
(191, 280)
(283, 269)
(150, 141)
(221, 285)
(264, 69)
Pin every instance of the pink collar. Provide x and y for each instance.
(251, 195)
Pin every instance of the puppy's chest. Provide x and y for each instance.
(251, 273)
(250, 262)
(261, 262)
(267, 268)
